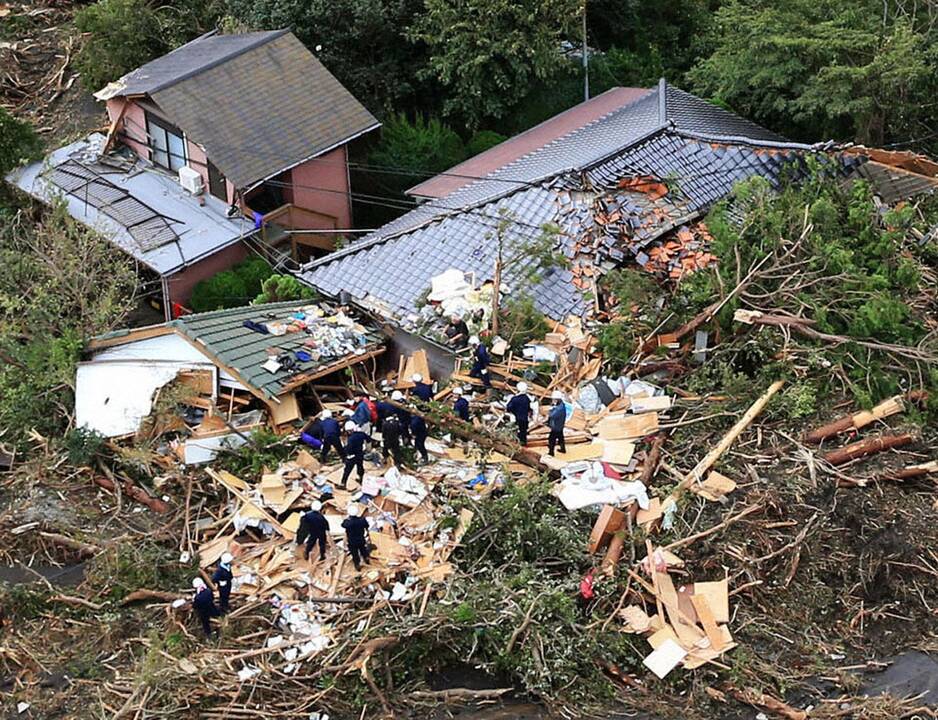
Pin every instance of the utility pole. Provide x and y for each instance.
(586, 59)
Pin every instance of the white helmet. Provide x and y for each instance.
(397, 395)
(556, 395)
(457, 390)
(316, 505)
(198, 583)
(226, 558)
(326, 414)
(350, 426)
(416, 377)
(354, 510)
(522, 387)
(474, 340)
(348, 412)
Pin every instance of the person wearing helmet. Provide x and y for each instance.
(461, 406)
(354, 452)
(385, 410)
(314, 528)
(356, 533)
(423, 391)
(391, 440)
(203, 602)
(331, 436)
(362, 414)
(222, 580)
(520, 407)
(480, 362)
(418, 426)
(457, 332)
(556, 419)
(403, 416)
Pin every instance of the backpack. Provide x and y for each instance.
(372, 409)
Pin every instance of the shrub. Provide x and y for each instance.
(124, 34)
(417, 148)
(520, 322)
(18, 142)
(482, 141)
(231, 288)
(284, 287)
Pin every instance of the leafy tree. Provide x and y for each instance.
(416, 149)
(361, 42)
(853, 70)
(482, 141)
(487, 53)
(277, 288)
(231, 288)
(18, 142)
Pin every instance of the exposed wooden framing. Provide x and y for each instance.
(144, 333)
(345, 362)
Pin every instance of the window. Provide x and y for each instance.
(167, 146)
(216, 182)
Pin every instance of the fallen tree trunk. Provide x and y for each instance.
(869, 446)
(134, 492)
(460, 694)
(84, 550)
(144, 594)
(856, 421)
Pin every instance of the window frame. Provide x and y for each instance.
(157, 124)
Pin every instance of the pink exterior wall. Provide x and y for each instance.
(330, 173)
(197, 160)
(181, 284)
(132, 129)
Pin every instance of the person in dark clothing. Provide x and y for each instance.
(520, 407)
(385, 410)
(422, 391)
(480, 362)
(356, 532)
(314, 528)
(418, 426)
(461, 406)
(391, 436)
(354, 452)
(457, 333)
(362, 414)
(222, 579)
(403, 415)
(312, 433)
(556, 419)
(204, 605)
(331, 437)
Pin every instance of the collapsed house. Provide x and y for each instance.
(242, 367)
(188, 182)
(629, 187)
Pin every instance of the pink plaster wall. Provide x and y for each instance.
(181, 284)
(321, 185)
(132, 129)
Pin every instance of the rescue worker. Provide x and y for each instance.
(314, 528)
(418, 426)
(204, 604)
(480, 362)
(457, 332)
(222, 579)
(520, 407)
(362, 414)
(461, 406)
(391, 440)
(422, 391)
(356, 533)
(556, 419)
(403, 414)
(354, 452)
(385, 410)
(331, 436)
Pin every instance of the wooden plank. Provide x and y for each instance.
(610, 521)
(649, 404)
(687, 632)
(582, 452)
(705, 615)
(717, 596)
(715, 487)
(627, 427)
(618, 452)
(286, 411)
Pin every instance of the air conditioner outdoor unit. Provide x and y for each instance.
(190, 180)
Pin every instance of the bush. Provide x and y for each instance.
(18, 142)
(124, 34)
(482, 141)
(520, 322)
(231, 288)
(277, 288)
(417, 149)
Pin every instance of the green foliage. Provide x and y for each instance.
(417, 149)
(856, 70)
(798, 400)
(18, 142)
(617, 343)
(520, 321)
(52, 298)
(124, 34)
(231, 288)
(125, 567)
(362, 42)
(265, 450)
(284, 287)
(482, 141)
(83, 445)
(24, 601)
(487, 53)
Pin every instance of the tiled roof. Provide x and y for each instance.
(258, 103)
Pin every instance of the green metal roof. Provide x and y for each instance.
(223, 335)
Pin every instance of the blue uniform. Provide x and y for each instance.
(313, 529)
(355, 455)
(480, 365)
(418, 427)
(331, 438)
(520, 407)
(222, 580)
(461, 406)
(362, 414)
(423, 391)
(385, 410)
(204, 604)
(556, 419)
(356, 531)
